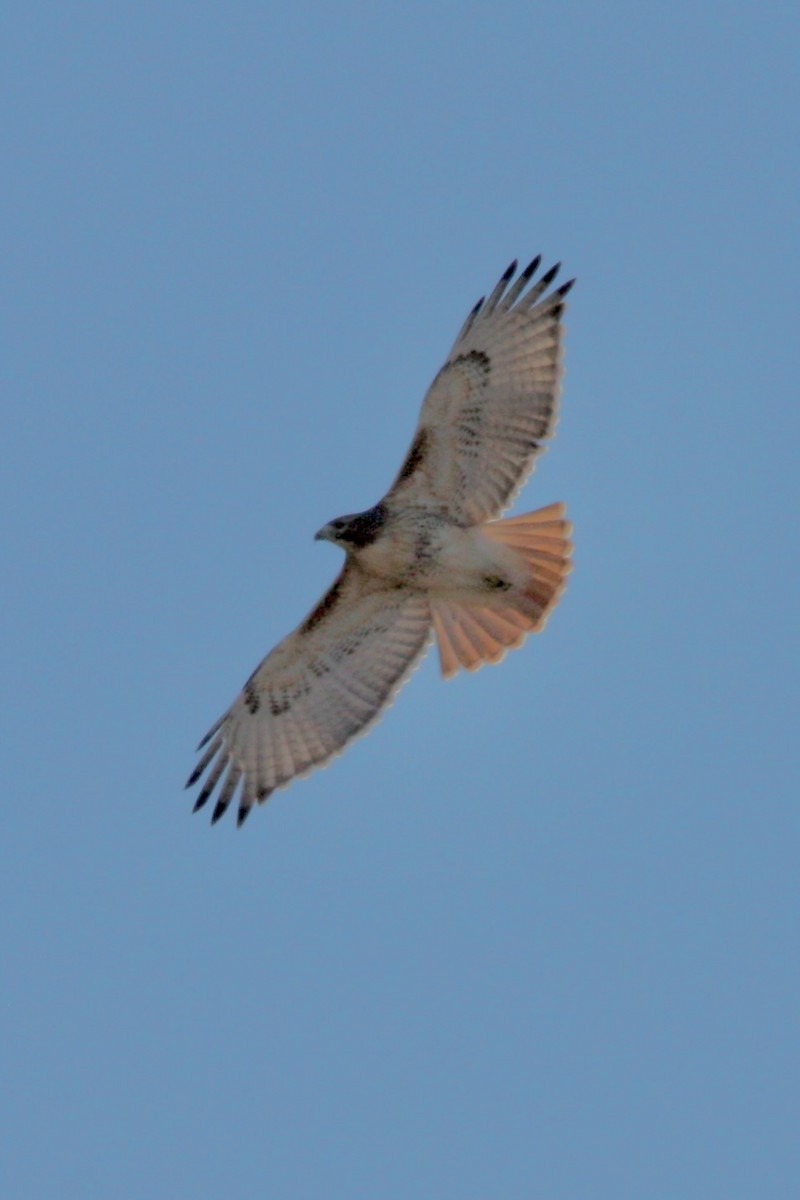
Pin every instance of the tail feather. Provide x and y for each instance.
(469, 637)
(472, 634)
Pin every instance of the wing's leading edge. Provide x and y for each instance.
(493, 404)
(320, 687)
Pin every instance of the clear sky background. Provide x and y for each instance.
(537, 935)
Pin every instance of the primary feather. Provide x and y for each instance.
(493, 404)
(424, 558)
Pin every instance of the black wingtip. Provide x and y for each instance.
(550, 275)
(477, 307)
(193, 778)
(509, 271)
(242, 815)
(566, 287)
(532, 267)
(200, 801)
(219, 810)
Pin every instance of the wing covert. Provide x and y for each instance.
(320, 687)
(493, 403)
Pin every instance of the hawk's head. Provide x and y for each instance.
(355, 531)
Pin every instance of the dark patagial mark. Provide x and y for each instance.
(415, 456)
(251, 697)
(475, 358)
(326, 605)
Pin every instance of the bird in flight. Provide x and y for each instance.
(430, 558)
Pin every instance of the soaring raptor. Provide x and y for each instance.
(429, 557)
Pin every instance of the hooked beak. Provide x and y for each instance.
(324, 535)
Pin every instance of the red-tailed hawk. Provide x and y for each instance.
(429, 557)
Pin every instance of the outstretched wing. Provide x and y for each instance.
(493, 403)
(318, 688)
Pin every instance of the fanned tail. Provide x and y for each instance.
(471, 634)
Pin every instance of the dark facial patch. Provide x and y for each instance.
(415, 456)
(363, 528)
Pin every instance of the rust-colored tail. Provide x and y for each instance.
(472, 634)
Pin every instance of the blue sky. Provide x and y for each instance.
(537, 934)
